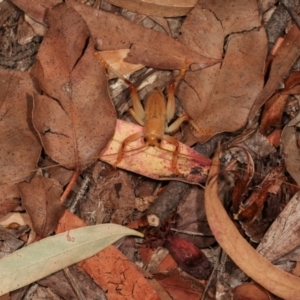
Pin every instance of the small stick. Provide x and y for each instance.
(70, 185)
(166, 202)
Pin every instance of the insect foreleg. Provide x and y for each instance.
(127, 141)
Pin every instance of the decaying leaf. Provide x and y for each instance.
(161, 8)
(147, 46)
(153, 162)
(278, 282)
(252, 207)
(251, 291)
(40, 198)
(20, 148)
(36, 9)
(285, 57)
(179, 287)
(291, 150)
(212, 96)
(272, 113)
(74, 122)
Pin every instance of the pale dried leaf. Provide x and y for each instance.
(153, 162)
(115, 59)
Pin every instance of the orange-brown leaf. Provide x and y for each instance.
(40, 198)
(20, 148)
(74, 116)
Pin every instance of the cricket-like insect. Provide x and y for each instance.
(155, 117)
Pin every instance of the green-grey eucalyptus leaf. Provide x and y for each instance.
(54, 253)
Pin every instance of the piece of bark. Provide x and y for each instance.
(58, 283)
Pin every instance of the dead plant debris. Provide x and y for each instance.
(213, 227)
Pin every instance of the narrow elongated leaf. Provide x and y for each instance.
(55, 253)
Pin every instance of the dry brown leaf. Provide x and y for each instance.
(147, 46)
(163, 8)
(292, 84)
(180, 288)
(272, 112)
(74, 116)
(291, 150)
(36, 8)
(285, 57)
(277, 281)
(20, 149)
(250, 291)
(212, 96)
(8, 205)
(40, 198)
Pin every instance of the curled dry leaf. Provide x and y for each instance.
(153, 162)
(291, 150)
(20, 148)
(40, 198)
(165, 8)
(213, 95)
(147, 46)
(74, 116)
(272, 112)
(285, 57)
(278, 282)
